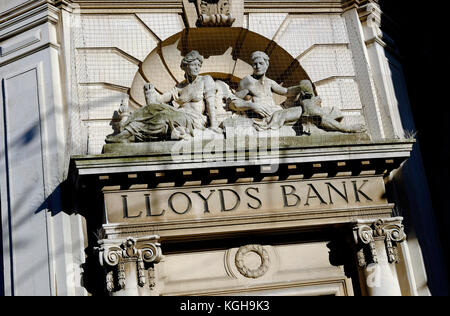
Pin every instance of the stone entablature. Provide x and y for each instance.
(320, 185)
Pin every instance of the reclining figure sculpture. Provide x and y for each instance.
(195, 104)
(160, 121)
(255, 94)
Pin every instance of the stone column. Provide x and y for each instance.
(129, 265)
(377, 254)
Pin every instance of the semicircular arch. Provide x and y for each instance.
(227, 53)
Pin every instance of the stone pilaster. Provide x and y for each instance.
(129, 265)
(383, 58)
(377, 254)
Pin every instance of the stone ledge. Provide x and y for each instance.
(165, 147)
(292, 150)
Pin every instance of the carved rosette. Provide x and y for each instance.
(139, 252)
(367, 233)
(214, 13)
(249, 272)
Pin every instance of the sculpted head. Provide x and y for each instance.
(192, 63)
(260, 63)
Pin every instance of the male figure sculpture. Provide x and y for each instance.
(308, 108)
(255, 93)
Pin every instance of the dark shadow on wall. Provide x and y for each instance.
(419, 38)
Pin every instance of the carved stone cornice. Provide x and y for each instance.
(377, 25)
(292, 6)
(29, 15)
(367, 233)
(114, 6)
(349, 4)
(29, 6)
(113, 255)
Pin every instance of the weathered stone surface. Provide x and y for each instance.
(192, 104)
(274, 198)
(130, 149)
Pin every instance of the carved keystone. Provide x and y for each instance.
(214, 13)
(114, 255)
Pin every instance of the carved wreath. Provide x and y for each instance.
(252, 273)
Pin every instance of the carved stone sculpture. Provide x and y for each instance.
(366, 234)
(377, 243)
(196, 104)
(308, 109)
(192, 99)
(253, 273)
(119, 118)
(130, 255)
(214, 13)
(255, 93)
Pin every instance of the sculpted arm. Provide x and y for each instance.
(210, 98)
(243, 99)
(289, 92)
(238, 102)
(152, 96)
(166, 97)
(244, 88)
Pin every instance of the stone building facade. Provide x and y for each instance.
(323, 213)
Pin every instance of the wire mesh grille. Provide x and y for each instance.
(116, 54)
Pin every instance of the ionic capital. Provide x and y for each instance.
(115, 254)
(368, 233)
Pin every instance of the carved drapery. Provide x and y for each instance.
(115, 256)
(366, 234)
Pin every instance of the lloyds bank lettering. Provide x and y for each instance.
(207, 201)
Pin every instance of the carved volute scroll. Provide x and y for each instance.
(366, 234)
(114, 256)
